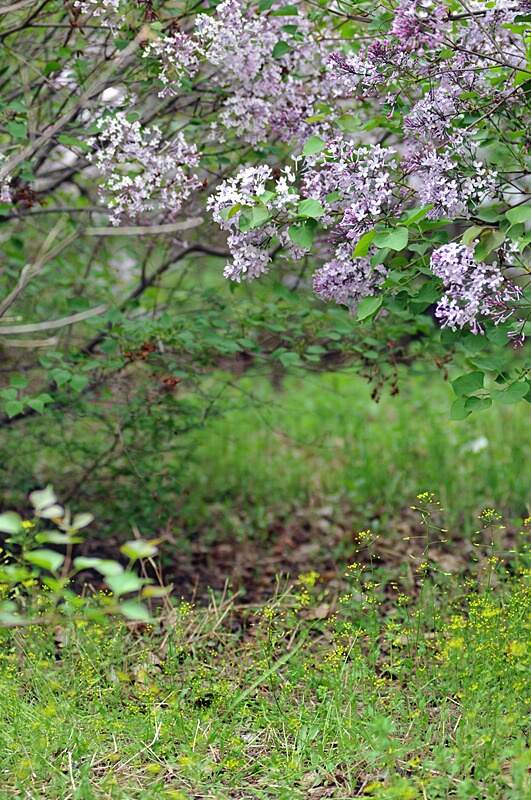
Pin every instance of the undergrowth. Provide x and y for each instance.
(378, 691)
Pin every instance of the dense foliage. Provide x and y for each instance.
(384, 145)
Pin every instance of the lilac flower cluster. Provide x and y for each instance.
(249, 249)
(354, 184)
(440, 182)
(418, 24)
(472, 290)
(105, 10)
(347, 280)
(178, 57)
(270, 74)
(141, 171)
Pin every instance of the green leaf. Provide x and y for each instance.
(259, 215)
(290, 359)
(416, 214)
(489, 241)
(519, 214)
(79, 382)
(244, 223)
(280, 49)
(134, 610)
(285, 11)
(459, 410)
(13, 408)
(303, 234)
(39, 403)
(363, 244)
(471, 234)
(477, 403)
(468, 383)
(60, 376)
(46, 559)
(394, 238)
(231, 212)
(310, 208)
(138, 548)
(517, 391)
(156, 591)
(104, 566)
(124, 583)
(10, 522)
(313, 145)
(71, 141)
(18, 130)
(489, 213)
(368, 307)
(18, 381)
(81, 520)
(56, 537)
(43, 498)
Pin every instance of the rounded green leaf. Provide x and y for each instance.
(368, 306)
(515, 392)
(124, 583)
(104, 566)
(313, 145)
(469, 383)
(136, 611)
(10, 522)
(363, 244)
(138, 548)
(310, 208)
(394, 239)
(519, 214)
(46, 559)
(303, 234)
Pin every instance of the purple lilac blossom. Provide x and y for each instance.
(419, 24)
(362, 178)
(473, 290)
(346, 280)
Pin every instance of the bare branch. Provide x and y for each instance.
(145, 230)
(52, 324)
(31, 270)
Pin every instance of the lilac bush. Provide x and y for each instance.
(377, 151)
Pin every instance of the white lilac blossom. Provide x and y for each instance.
(473, 290)
(5, 185)
(439, 180)
(241, 189)
(266, 91)
(178, 56)
(105, 10)
(250, 254)
(354, 73)
(346, 280)
(431, 118)
(353, 183)
(142, 172)
(249, 249)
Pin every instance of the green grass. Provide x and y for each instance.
(323, 437)
(304, 698)
(397, 681)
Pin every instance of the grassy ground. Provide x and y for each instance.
(307, 697)
(324, 437)
(400, 676)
